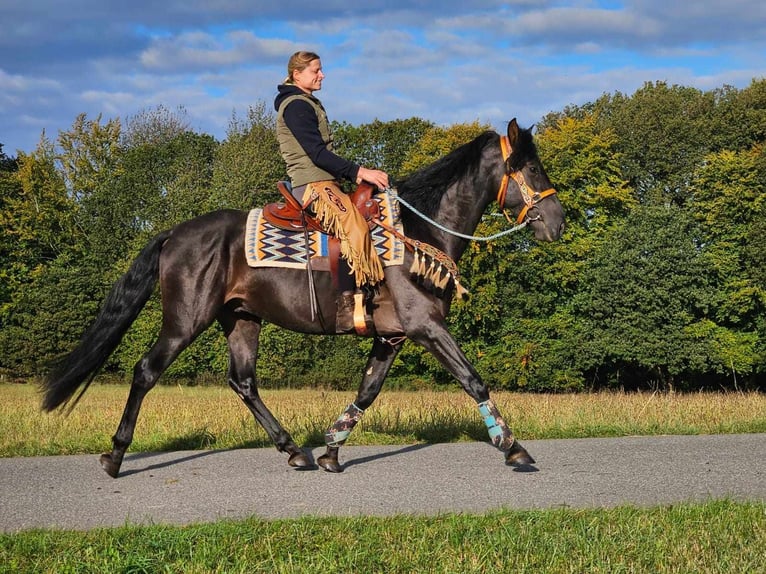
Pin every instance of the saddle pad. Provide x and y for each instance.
(269, 246)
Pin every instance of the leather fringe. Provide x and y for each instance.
(430, 270)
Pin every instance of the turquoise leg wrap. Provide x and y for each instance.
(499, 433)
(337, 434)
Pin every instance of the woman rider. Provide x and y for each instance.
(305, 142)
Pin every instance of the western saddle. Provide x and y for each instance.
(291, 216)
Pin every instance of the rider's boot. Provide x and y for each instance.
(344, 318)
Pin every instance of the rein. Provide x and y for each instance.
(438, 225)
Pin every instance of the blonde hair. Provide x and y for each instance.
(299, 62)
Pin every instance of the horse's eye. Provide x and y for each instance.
(533, 169)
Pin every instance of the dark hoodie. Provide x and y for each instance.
(302, 121)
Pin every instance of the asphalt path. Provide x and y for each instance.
(183, 487)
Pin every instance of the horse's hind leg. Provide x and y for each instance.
(145, 375)
(242, 333)
(379, 362)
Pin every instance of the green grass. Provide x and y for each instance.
(181, 418)
(717, 537)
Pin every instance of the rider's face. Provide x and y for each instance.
(309, 79)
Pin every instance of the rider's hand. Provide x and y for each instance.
(374, 176)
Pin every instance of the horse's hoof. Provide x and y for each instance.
(518, 456)
(111, 468)
(300, 460)
(329, 463)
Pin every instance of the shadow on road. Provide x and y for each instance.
(164, 464)
(364, 459)
(181, 458)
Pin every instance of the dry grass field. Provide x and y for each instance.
(181, 417)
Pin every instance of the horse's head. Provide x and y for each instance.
(525, 189)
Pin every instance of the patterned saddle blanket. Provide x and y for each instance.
(269, 246)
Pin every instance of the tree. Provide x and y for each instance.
(584, 162)
(6, 163)
(89, 162)
(164, 183)
(37, 221)
(89, 157)
(664, 132)
(754, 263)
(39, 212)
(11, 274)
(728, 196)
(248, 164)
(154, 127)
(437, 142)
(739, 118)
(645, 310)
(381, 145)
(50, 314)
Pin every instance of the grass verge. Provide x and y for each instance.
(719, 536)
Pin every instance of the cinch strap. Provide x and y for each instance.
(337, 434)
(499, 433)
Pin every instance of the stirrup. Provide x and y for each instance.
(351, 314)
(361, 325)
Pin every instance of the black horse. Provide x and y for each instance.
(204, 277)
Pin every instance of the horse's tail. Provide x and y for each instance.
(121, 307)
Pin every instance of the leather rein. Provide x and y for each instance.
(530, 197)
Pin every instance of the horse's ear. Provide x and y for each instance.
(513, 132)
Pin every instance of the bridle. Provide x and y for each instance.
(530, 197)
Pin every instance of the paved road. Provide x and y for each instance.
(196, 486)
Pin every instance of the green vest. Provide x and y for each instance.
(300, 168)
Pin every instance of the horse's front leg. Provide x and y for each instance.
(379, 362)
(441, 344)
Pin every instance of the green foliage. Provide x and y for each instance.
(38, 212)
(739, 119)
(658, 280)
(7, 163)
(663, 133)
(646, 309)
(729, 198)
(248, 164)
(37, 219)
(12, 270)
(50, 314)
(380, 145)
(154, 126)
(436, 142)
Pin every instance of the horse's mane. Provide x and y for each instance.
(424, 188)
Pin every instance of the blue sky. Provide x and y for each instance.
(446, 61)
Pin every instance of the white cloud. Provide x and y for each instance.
(448, 61)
